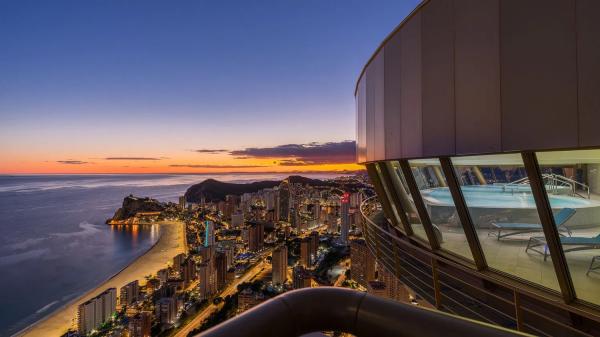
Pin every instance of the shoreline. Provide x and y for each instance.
(170, 243)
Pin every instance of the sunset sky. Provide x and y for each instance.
(184, 86)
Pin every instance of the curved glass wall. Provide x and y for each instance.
(572, 182)
(407, 203)
(440, 206)
(501, 205)
(388, 196)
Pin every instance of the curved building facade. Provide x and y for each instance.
(479, 124)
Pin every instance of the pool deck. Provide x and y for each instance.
(508, 255)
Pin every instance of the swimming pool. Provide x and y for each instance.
(497, 196)
(492, 203)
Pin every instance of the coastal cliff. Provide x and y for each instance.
(134, 205)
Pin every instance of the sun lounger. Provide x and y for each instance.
(570, 244)
(505, 229)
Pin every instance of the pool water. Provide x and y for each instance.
(497, 196)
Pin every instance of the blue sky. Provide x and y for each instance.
(86, 79)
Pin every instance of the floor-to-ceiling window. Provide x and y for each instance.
(440, 206)
(572, 183)
(501, 205)
(406, 201)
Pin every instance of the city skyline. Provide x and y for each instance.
(154, 88)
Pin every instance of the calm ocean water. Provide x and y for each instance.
(54, 244)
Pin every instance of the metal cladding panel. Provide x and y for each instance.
(588, 63)
(538, 72)
(375, 105)
(477, 76)
(392, 104)
(411, 121)
(438, 78)
(370, 104)
(361, 121)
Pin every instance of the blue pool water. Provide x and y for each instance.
(495, 196)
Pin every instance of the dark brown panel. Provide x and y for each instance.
(438, 78)
(538, 73)
(588, 53)
(361, 108)
(392, 80)
(375, 102)
(410, 94)
(477, 76)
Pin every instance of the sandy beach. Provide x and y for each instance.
(170, 243)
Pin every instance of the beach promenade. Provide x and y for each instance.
(170, 243)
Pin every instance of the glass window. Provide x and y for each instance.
(388, 196)
(572, 182)
(499, 199)
(407, 204)
(440, 206)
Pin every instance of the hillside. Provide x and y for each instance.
(214, 190)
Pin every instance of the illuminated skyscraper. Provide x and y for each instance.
(256, 232)
(91, 314)
(280, 261)
(129, 293)
(209, 233)
(140, 325)
(301, 277)
(305, 252)
(345, 210)
(362, 268)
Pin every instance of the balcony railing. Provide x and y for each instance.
(459, 289)
(338, 309)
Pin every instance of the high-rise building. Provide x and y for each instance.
(220, 262)
(182, 202)
(207, 253)
(207, 279)
(345, 217)
(301, 277)
(314, 242)
(256, 232)
(129, 293)
(485, 113)
(140, 325)
(332, 223)
(237, 219)
(188, 271)
(231, 204)
(209, 233)
(284, 201)
(305, 252)
(177, 261)
(395, 289)
(92, 313)
(279, 264)
(316, 211)
(362, 263)
(163, 275)
(166, 310)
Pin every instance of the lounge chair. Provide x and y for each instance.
(510, 229)
(570, 244)
(592, 268)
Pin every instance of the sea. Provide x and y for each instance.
(55, 244)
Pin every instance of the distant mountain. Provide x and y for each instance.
(214, 190)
